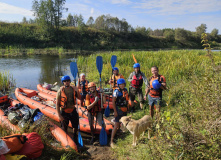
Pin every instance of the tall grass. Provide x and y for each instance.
(6, 81)
(190, 123)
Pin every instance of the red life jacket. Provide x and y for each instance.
(137, 83)
(97, 107)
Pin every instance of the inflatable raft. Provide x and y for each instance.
(53, 93)
(57, 132)
(24, 96)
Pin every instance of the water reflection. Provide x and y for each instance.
(28, 71)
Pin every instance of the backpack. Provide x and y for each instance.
(33, 147)
(14, 117)
(14, 142)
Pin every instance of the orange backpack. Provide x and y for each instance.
(14, 142)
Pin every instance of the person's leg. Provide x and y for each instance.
(74, 118)
(132, 98)
(158, 104)
(64, 123)
(99, 119)
(140, 97)
(151, 105)
(116, 126)
(91, 122)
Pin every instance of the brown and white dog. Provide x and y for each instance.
(136, 127)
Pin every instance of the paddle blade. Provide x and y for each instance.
(134, 58)
(99, 63)
(103, 137)
(113, 60)
(107, 111)
(80, 141)
(74, 69)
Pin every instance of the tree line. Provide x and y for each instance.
(50, 29)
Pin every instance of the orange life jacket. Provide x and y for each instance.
(97, 107)
(153, 92)
(63, 101)
(84, 87)
(115, 78)
(137, 83)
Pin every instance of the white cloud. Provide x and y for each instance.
(9, 9)
(119, 1)
(178, 7)
(92, 10)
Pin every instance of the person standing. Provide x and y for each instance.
(157, 84)
(65, 105)
(83, 87)
(120, 106)
(115, 76)
(93, 105)
(136, 80)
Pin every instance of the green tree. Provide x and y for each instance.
(48, 15)
(169, 34)
(201, 29)
(70, 20)
(24, 20)
(181, 34)
(90, 22)
(214, 33)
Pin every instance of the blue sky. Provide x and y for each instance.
(156, 14)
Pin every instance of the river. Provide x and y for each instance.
(28, 71)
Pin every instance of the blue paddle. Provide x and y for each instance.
(113, 62)
(103, 134)
(74, 72)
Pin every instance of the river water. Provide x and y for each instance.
(28, 71)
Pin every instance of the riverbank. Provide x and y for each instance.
(6, 81)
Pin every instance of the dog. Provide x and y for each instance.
(136, 127)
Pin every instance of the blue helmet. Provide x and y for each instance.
(121, 81)
(156, 84)
(65, 78)
(115, 68)
(136, 65)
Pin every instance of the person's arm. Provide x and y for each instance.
(78, 85)
(130, 78)
(58, 99)
(104, 98)
(145, 79)
(87, 102)
(77, 93)
(163, 83)
(114, 102)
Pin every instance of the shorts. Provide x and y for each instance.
(120, 114)
(154, 101)
(133, 92)
(73, 117)
(98, 117)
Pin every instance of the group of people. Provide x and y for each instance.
(92, 98)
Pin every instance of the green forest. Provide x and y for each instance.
(50, 29)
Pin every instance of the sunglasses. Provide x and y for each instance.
(66, 81)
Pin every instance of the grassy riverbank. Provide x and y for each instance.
(6, 81)
(190, 124)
